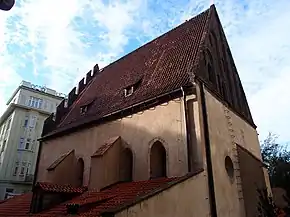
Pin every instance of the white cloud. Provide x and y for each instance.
(258, 34)
(56, 42)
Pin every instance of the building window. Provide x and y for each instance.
(32, 145)
(84, 109)
(26, 121)
(126, 169)
(15, 170)
(80, 171)
(8, 191)
(3, 128)
(229, 166)
(27, 145)
(28, 168)
(21, 143)
(8, 125)
(129, 91)
(157, 160)
(22, 171)
(32, 122)
(3, 146)
(40, 103)
(35, 102)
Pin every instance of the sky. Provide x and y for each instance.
(54, 43)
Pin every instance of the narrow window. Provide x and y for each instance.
(28, 168)
(8, 125)
(127, 165)
(15, 170)
(157, 160)
(210, 68)
(30, 101)
(211, 75)
(27, 145)
(32, 121)
(3, 146)
(2, 131)
(40, 103)
(80, 171)
(21, 143)
(26, 121)
(22, 171)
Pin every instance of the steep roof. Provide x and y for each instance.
(94, 203)
(160, 66)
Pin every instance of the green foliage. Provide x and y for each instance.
(266, 206)
(277, 159)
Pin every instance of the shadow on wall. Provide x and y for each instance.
(155, 137)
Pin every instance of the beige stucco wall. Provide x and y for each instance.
(65, 172)
(139, 131)
(223, 136)
(105, 168)
(184, 199)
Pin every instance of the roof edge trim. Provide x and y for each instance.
(151, 194)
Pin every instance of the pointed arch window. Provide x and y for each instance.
(80, 171)
(157, 160)
(127, 165)
(210, 67)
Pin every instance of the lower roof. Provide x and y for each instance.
(112, 199)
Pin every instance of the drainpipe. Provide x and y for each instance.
(208, 154)
(35, 173)
(37, 163)
(189, 157)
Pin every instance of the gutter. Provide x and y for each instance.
(210, 179)
(189, 157)
(80, 126)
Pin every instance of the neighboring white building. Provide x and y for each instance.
(20, 127)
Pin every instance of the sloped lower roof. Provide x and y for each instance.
(59, 160)
(49, 187)
(160, 66)
(93, 203)
(104, 148)
(16, 206)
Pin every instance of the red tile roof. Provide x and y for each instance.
(104, 148)
(113, 197)
(16, 206)
(163, 65)
(93, 203)
(49, 187)
(59, 160)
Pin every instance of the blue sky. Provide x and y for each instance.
(54, 43)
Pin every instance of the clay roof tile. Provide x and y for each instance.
(161, 66)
